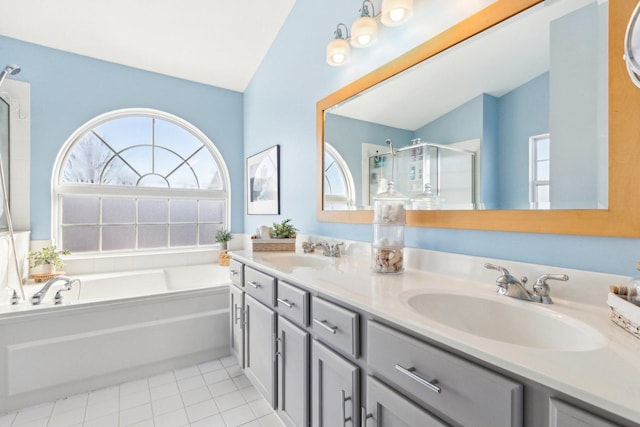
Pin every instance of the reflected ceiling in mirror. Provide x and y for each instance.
(527, 98)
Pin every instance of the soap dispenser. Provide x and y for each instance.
(389, 212)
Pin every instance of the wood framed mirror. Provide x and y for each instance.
(620, 218)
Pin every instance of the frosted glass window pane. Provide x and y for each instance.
(184, 211)
(207, 233)
(80, 210)
(152, 236)
(183, 234)
(80, 239)
(118, 211)
(542, 172)
(152, 211)
(211, 210)
(543, 193)
(118, 237)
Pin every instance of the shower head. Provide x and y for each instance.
(11, 69)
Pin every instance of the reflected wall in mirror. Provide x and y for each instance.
(512, 118)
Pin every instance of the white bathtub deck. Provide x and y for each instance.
(210, 394)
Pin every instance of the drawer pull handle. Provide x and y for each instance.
(345, 399)
(323, 323)
(233, 272)
(285, 302)
(254, 284)
(364, 417)
(236, 317)
(431, 385)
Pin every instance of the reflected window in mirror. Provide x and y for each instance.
(539, 171)
(338, 181)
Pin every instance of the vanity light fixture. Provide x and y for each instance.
(338, 50)
(396, 12)
(364, 30)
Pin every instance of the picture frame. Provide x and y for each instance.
(263, 182)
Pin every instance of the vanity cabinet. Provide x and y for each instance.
(335, 394)
(260, 352)
(385, 407)
(562, 414)
(293, 373)
(459, 390)
(236, 335)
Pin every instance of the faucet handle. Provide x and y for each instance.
(541, 288)
(502, 270)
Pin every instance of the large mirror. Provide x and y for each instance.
(513, 118)
(545, 162)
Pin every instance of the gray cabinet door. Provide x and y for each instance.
(564, 415)
(236, 311)
(260, 353)
(293, 374)
(335, 395)
(387, 408)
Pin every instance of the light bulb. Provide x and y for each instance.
(364, 39)
(338, 58)
(396, 15)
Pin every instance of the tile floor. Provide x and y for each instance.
(212, 394)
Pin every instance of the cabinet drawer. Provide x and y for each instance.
(453, 387)
(336, 326)
(236, 270)
(260, 286)
(293, 303)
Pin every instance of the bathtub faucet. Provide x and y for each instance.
(39, 296)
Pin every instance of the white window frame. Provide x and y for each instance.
(348, 199)
(59, 188)
(534, 182)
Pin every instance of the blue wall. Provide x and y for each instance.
(67, 90)
(280, 109)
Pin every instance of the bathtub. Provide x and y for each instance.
(113, 328)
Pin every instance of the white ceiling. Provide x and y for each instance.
(495, 62)
(215, 42)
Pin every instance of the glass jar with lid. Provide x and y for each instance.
(427, 200)
(389, 213)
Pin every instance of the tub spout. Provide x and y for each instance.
(39, 296)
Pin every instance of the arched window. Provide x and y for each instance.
(138, 179)
(339, 188)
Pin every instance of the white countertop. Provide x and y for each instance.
(606, 375)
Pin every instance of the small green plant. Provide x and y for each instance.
(223, 235)
(48, 255)
(284, 230)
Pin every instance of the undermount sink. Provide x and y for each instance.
(519, 324)
(290, 260)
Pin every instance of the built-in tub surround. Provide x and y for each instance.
(586, 357)
(114, 327)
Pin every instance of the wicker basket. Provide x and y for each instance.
(268, 245)
(624, 314)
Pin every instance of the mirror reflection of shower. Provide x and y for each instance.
(10, 70)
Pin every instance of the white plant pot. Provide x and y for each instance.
(48, 268)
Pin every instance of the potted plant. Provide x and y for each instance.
(48, 259)
(223, 236)
(283, 238)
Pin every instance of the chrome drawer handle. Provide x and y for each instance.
(236, 317)
(323, 323)
(431, 385)
(285, 302)
(254, 284)
(364, 417)
(233, 272)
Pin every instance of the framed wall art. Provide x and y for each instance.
(263, 182)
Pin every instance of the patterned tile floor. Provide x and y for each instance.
(212, 394)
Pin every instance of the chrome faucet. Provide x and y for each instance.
(512, 287)
(330, 250)
(309, 247)
(39, 296)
